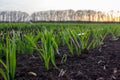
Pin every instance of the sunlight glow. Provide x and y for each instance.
(41, 5)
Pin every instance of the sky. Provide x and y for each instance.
(31, 6)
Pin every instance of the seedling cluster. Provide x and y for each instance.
(46, 38)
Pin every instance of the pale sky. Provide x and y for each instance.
(43, 5)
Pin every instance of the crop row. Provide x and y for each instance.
(46, 39)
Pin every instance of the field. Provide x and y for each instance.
(59, 51)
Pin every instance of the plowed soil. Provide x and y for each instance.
(101, 63)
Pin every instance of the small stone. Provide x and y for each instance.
(114, 38)
(100, 61)
(104, 67)
(100, 78)
(79, 73)
(113, 77)
(32, 73)
(62, 72)
(115, 70)
(104, 46)
(100, 49)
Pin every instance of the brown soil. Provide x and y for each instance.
(97, 64)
